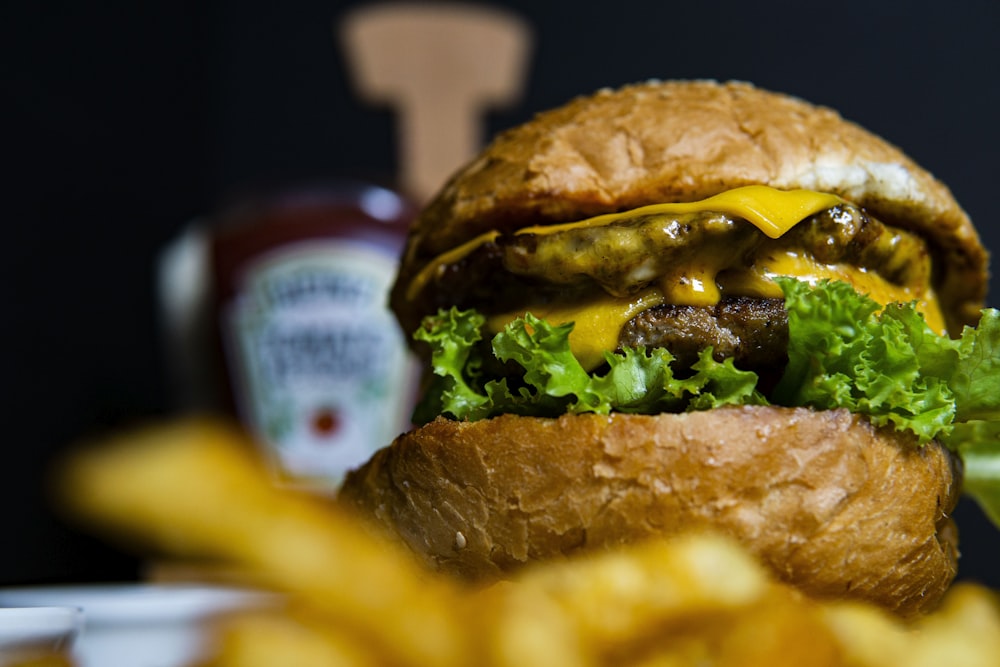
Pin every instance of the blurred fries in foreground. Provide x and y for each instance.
(194, 489)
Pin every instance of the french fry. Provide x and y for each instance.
(266, 639)
(699, 599)
(965, 631)
(194, 488)
(599, 604)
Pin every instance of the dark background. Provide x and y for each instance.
(125, 120)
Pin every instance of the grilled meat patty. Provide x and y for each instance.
(754, 332)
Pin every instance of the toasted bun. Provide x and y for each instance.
(831, 504)
(684, 141)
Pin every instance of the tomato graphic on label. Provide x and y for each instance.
(326, 422)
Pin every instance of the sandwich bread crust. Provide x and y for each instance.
(834, 506)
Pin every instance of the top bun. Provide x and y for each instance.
(688, 140)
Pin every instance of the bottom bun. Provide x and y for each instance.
(831, 504)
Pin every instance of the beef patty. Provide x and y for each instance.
(752, 331)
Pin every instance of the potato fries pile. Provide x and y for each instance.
(195, 489)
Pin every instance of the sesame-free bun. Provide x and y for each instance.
(684, 141)
(831, 504)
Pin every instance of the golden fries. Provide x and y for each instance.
(266, 639)
(194, 488)
(608, 604)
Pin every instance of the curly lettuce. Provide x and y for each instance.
(554, 382)
(844, 351)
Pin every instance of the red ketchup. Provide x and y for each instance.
(318, 368)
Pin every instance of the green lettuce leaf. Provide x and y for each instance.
(554, 382)
(975, 383)
(978, 444)
(846, 351)
(452, 336)
(716, 384)
(551, 372)
(976, 378)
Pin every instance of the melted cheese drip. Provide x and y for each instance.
(597, 322)
(790, 263)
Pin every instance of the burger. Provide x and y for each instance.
(692, 305)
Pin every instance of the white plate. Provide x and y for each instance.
(33, 633)
(140, 625)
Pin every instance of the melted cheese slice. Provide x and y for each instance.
(771, 211)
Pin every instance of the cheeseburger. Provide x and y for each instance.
(696, 306)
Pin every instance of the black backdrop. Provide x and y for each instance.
(125, 120)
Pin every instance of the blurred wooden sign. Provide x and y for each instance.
(440, 66)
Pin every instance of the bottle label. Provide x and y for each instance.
(323, 373)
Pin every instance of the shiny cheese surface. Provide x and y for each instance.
(772, 211)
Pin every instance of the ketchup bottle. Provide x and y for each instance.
(318, 368)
